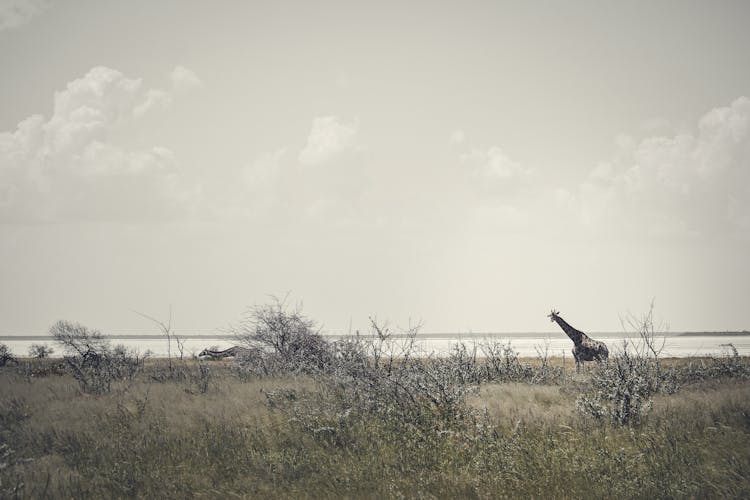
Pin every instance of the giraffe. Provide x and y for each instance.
(586, 349)
(232, 352)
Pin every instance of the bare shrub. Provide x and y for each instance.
(621, 389)
(546, 373)
(6, 356)
(649, 338)
(384, 374)
(288, 340)
(258, 362)
(166, 329)
(387, 348)
(651, 334)
(501, 363)
(40, 351)
(350, 357)
(379, 375)
(90, 358)
(202, 377)
(462, 362)
(729, 365)
(444, 382)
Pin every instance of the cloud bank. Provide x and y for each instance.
(329, 138)
(15, 13)
(68, 168)
(690, 184)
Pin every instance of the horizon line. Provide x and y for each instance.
(223, 336)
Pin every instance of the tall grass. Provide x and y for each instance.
(301, 437)
(368, 418)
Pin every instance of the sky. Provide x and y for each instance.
(466, 166)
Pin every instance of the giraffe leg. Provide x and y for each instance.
(578, 361)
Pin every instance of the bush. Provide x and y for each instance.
(6, 356)
(621, 389)
(502, 364)
(382, 375)
(729, 365)
(40, 351)
(283, 340)
(92, 361)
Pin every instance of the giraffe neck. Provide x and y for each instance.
(575, 335)
(220, 354)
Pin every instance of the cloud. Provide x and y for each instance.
(155, 98)
(264, 182)
(457, 137)
(263, 173)
(329, 138)
(184, 79)
(689, 184)
(494, 164)
(15, 13)
(499, 196)
(331, 193)
(68, 168)
(88, 108)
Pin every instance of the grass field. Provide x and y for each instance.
(222, 433)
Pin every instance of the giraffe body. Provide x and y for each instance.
(585, 348)
(232, 352)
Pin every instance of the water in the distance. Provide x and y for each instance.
(525, 344)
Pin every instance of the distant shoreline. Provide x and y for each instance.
(714, 334)
(423, 336)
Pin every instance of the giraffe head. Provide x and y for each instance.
(208, 352)
(553, 315)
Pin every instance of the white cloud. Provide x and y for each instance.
(67, 167)
(457, 137)
(279, 187)
(263, 179)
(264, 172)
(88, 108)
(494, 164)
(692, 183)
(184, 79)
(501, 196)
(330, 193)
(155, 98)
(328, 139)
(15, 13)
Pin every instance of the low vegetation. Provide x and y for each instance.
(369, 417)
(40, 351)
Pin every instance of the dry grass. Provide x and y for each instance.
(543, 404)
(161, 439)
